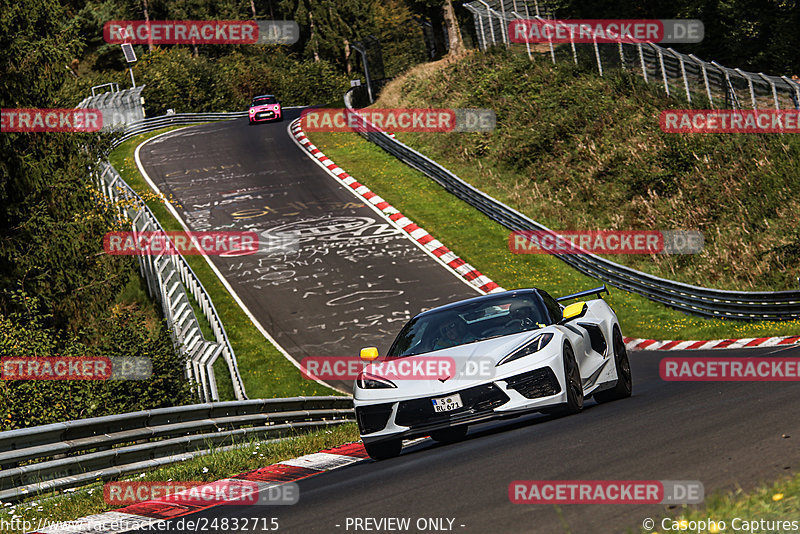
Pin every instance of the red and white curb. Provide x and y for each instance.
(435, 247)
(750, 342)
(156, 511)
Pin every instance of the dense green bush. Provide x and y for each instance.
(177, 80)
(58, 289)
(122, 333)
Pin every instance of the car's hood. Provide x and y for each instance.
(265, 107)
(471, 364)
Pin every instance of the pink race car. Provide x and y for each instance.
(265, 108)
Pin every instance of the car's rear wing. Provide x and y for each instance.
(596, 291)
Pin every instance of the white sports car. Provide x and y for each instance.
(507, 354)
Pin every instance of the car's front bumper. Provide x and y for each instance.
(265, 116)
(527, 391)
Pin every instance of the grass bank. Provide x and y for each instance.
(577, 151)
(768, 508)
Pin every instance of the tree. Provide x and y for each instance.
(330, 26)
(443, 19)
(52, 229)
(456, 43)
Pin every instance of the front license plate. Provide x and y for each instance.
(447, 404)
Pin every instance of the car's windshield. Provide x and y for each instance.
(469, 323)
(260, 101)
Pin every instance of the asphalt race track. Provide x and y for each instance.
(351, 281)
(725, 434)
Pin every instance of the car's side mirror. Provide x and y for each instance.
(369, 354)
(575, 310)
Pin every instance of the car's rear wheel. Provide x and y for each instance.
(624, 386)
(450, 435)
(572, 374)
(384, 450)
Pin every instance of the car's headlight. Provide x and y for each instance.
(535, 345)
(252, 111)
(370, 381)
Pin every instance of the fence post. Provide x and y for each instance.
(641, 60)
(774, 91)
(683, 73)
(504, 24)
(550, 40)
(483, 33)
(705, 78)
(491, 24)
(729, 90)
(794, 90)
(749, 86)
(597, 55)
(527, 41)
(663, 70)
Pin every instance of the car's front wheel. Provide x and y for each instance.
(384, 450)
(624, 386)
(572, 375)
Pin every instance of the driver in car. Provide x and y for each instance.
(522, 316)
(453, 331)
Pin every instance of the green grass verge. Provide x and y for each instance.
(265, 371)
(769, 502)
(134, 294)
(72, 505)
(484, 243)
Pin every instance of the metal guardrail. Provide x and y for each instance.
(758, 305)
(117, 107)
(75, 453)
(168, 276)
(178, 119)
